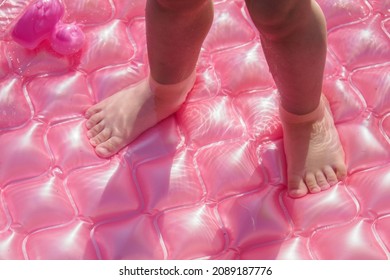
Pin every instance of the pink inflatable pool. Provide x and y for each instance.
(206, 183)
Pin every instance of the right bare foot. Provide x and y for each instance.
(122, 117)
(315, 156)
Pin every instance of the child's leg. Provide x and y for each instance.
(293, 36)
(175, 32)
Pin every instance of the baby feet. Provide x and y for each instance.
(37, 23)
(122, 117)
(315, 157)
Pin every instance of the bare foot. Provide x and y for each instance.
(315, 157)
(122, 117)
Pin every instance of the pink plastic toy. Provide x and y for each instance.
(37, 23)
(67, 38)
(208, 182)
(40, 21)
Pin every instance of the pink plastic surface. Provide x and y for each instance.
(208, 182)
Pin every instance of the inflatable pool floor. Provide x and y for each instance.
(208, 182)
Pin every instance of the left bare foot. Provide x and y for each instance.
(121, 118)
(315, 157)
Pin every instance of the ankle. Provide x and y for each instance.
(313, 116)
(175, 93)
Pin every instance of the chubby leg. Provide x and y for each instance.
(293, 37)
(175, 32)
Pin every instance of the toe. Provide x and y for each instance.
(94, 120)
(311, 183)
(92, 111)
(330, 175)
(341, 171)
(102, 137)
(321, 181)
(103, 152)
(297, 188)
(108, 148)
(95, 130)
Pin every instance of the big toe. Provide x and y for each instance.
(103, 152)
(341, 171)
(297, 188)
(108, 148)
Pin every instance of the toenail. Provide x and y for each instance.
(332, 182)
(102, 151)
(315, 190)
(325, 187)
(296, 193)
(88, 125)
(342, 176)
